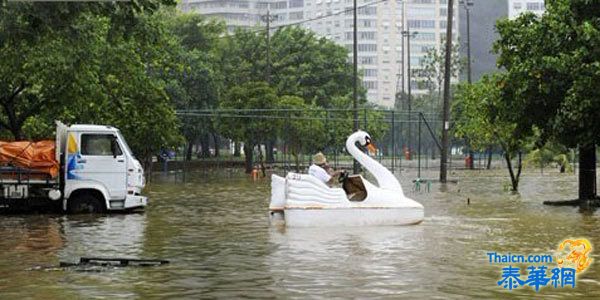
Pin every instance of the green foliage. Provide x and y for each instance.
(195, 84)
(482, 117)
(541, 157)
(242, 58)
(434, 64)
(252, 130)
(552, 68)
(564, 163)
(551, 153)
(87, 63)
(376, 125)
(315, 69)
(303, 65)
(303, 129)
(132, 65)
(551, 84)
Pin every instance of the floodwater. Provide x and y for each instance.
(215, 232)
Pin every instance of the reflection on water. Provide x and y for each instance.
(215, 232)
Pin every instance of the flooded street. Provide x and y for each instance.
(215, 232)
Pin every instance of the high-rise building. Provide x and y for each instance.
(236, 13)
(380, 25)
(517, 7)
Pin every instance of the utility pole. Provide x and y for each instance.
(446, 114)
(268, 19)
(355, 91)
(404, 142)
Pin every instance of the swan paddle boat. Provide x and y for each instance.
(302, 200)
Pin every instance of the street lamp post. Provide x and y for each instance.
(466, 5)
(355, 90)
(403, 77)
(408, 34)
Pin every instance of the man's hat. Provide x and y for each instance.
(319, 158)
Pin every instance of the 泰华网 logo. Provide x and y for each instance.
(557, 270)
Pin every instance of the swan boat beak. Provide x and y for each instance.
(372, 149)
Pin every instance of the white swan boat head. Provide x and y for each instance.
(301, 200)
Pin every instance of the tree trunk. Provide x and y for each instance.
(269, 149)
(217, 142)
(471, 165)
(587, 172)
(15, 123)
(514, 180)
(236, 149)
(248, 153)
(519, 166)
(188, 153)
(261, 161)
(489, 160)
(147, 165)
(205, 144)
(17, 133)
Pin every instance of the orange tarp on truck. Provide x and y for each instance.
(37, 156)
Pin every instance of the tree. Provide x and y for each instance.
(251, 129)
(55, 66)
(550, 85)
(433, 69)
(303, 128)
(302, 65)
(195, 86)
(482, 117)
(549, 153)
(315, 69)
(242, 58)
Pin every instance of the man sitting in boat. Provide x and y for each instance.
(321, 170)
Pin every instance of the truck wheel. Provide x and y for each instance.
(85, 203)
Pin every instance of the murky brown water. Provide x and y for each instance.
(217, 236)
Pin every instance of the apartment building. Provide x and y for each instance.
(517, 7)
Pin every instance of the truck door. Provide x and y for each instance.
(102, 160)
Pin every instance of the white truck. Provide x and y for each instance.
(96, 172)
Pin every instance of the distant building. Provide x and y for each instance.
(236, 13)
(517, 7)
(483, 17)
(380, 26)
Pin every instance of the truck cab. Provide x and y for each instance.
(99, 171)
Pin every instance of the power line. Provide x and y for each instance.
(257, 30)
(332, 14)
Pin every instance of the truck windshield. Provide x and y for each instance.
(125, 145)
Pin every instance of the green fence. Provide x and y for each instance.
(286, 139)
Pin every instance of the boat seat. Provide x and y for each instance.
(355, 188)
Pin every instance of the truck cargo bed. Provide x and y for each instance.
(18, 175)
(35, 158)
